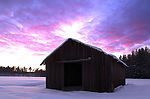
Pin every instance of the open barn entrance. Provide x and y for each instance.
(73, 76)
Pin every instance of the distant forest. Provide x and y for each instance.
(138, 62)
(19, 71)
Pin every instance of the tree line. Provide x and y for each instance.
(138, 62)
(20, 71)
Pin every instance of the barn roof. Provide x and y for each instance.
(94, 47)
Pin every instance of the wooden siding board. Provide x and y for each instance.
(100, 72)
(108, 65)
(103, 74)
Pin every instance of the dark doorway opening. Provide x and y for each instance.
(73, 76)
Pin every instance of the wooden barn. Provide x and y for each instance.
(78, 66)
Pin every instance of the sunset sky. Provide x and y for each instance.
(31, 29)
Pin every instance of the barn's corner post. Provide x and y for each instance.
(46, 76)
(124, 76)
(108, 63)
(46, 67)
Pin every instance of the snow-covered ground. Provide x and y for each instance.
(34, 88)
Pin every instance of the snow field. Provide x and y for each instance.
(34, 88)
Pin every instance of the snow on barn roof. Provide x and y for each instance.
(94, 47)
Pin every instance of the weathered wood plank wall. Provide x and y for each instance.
(101, 73)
